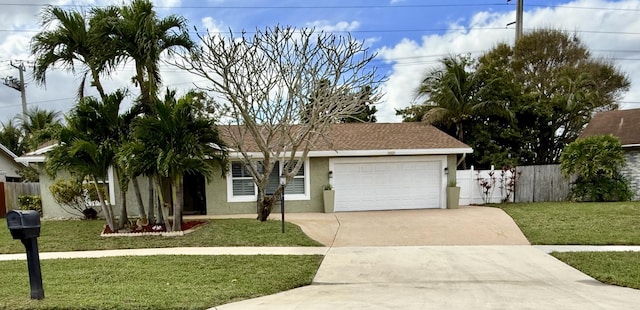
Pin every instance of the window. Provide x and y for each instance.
(242, 187)
(297, 184)
(242, 182)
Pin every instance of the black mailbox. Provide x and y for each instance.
(23, 223)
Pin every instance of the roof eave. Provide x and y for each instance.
(396, 152)
(25, 160)
(630, 145)
(364, 153)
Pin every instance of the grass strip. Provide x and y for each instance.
(77, 235)
(154, 282)
(617, 268)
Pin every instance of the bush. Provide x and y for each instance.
(601, 188)
(596, 162)
(75, 197)
(29, 202)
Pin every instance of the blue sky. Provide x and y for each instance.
(408, 35)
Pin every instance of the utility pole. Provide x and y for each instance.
(518, 22)
(519, 12)
(18, 84)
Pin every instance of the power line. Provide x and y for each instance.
(368, 6)
(244, 7)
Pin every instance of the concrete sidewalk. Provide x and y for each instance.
(176, 251)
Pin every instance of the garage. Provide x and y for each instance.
(388, 183)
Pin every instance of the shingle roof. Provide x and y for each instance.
(378, 136)
(624, 124)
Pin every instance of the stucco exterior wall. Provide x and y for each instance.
(132, 202)
(632, 171)
(8, 167)
(216, 194)
(51, 209)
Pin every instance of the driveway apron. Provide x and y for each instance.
(470, 258)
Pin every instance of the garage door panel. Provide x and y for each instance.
(387, 185)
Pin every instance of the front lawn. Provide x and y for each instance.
(565, 223)
(617, 268)
(76, 235)
(154, 282)
(577, 223)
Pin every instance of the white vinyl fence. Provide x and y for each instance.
(484, 186)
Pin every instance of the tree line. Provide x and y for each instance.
(519, 104)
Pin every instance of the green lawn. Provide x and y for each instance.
(618, 268)
(154, 282)
(76, 235)
(578, 223)
(565, 223)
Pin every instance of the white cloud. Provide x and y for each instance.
(411, 59)
(212, 25)
(323, 25)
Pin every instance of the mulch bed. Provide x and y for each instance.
(186, 225)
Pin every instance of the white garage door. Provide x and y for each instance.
(387, 184)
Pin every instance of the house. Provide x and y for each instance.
(624, 124)
(8, 165)
(371, 166)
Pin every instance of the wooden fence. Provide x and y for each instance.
(541, 183)
(12, 190)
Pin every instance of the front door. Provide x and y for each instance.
(194, 195)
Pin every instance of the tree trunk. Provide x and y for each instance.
(177, 187)
(460, 131)
(108, 213)
(124, 217)
(136, 189)
(95, 76)
(164, 206)
(263, 206)
(152, 202)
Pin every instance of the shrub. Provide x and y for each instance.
(29, 202)
(596, 162)
(601, 188)
(75, 197)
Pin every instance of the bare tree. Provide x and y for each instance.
(267, 82)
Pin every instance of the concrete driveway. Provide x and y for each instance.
(471, 258)
(464, 226)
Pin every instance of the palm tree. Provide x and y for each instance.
(183, 140)
(12, 137)
(137, 34)
(450, 93)
(69, 42)
(454, 95)
(38, 119)
(141, 36)
(87, 145)
(36, 125)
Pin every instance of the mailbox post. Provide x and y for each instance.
(25, 225)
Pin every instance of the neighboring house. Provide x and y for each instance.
(371, 166)
(50, 209)
(624, 124)
(8, 165)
